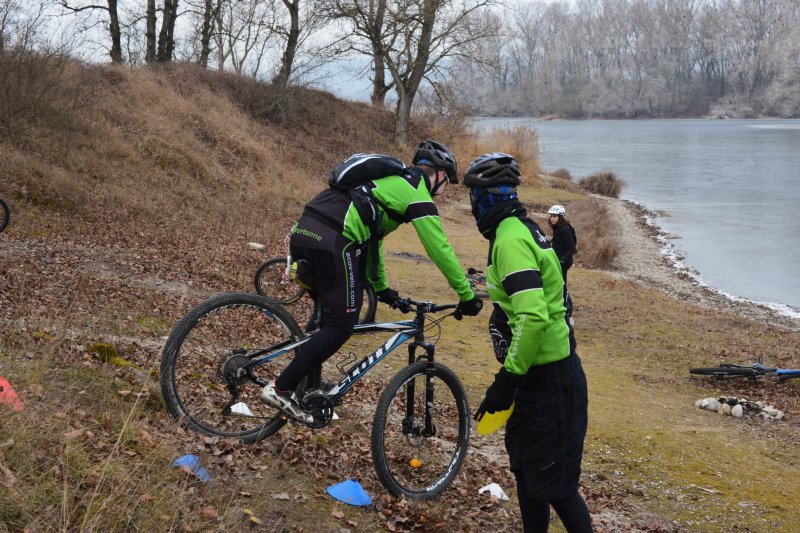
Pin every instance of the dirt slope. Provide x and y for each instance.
(147, 208)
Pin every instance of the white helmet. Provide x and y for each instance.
(557, 210)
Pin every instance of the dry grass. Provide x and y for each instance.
(520, 141)
(38, 89)
(251, 153)
(561, 173)
(596, 230)
(603, 183)
(561, 179)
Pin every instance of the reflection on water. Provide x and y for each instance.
(728, 188)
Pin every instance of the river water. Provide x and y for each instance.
(728, 191)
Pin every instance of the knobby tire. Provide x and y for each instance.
(202, 345)
(269, 282)
(412, 465)
(724, 372)
(368, 306)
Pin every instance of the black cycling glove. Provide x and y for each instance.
(500, 394)
(388, 296)
(470, 307)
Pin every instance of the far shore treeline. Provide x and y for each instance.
(570, 59)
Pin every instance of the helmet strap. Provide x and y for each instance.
(439, 182)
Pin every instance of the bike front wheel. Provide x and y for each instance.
(420, 433)
(725, 372)
(207, 378)
(272, 282)
(5, 215)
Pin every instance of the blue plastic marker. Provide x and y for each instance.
(193, 463)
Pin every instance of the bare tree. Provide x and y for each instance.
(298, 41)
(150, 31)
(210, 16)
(245, 28)
(113, 23)
(18, 28)
(367, 19)
(290, 32)
(420, 36)
(166, 37)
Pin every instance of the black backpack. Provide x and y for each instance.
(574, 238)
(353, 176)
(359, 169)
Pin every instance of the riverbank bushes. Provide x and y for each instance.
(603, 183)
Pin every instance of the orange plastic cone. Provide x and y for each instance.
(8, 396)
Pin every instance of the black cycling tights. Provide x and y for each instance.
(313, 353)
(572, 511)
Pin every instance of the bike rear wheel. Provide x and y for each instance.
(5, 215)
(272, 282)
(410, 463)
(206, 356)
(725, 372)
(368, 306)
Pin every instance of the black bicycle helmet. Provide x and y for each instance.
(436, 155)
(493, 169)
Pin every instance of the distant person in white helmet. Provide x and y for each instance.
(565, 241)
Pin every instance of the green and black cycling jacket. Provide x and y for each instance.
(524, 279)
(406, 196)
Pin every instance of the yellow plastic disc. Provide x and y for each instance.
(491, 422)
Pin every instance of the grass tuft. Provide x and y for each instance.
(561, 173)
(109, 354)
(603, 183)
(596, 230)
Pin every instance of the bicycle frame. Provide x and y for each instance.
(404, 330)
(754, 371)
(780, 373)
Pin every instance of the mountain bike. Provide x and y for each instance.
(477, 282)
(220, 355)
(5, 215)
(752, 372)
(273, 280)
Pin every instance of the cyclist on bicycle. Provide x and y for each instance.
(333, 241)
(534, 341)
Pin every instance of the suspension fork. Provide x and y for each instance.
(429, 430)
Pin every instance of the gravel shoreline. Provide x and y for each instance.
(642, 259)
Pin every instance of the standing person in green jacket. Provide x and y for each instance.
(533, 340)
(337, 244)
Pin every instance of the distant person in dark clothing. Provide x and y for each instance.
(564, 239)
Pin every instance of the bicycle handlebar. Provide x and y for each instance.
(406, 305)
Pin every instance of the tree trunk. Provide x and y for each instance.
(171, 31)
(150, 32)
(282, 78)
(166, 38)
(116, 40)
(406, 91)
(379, 87)
(402, 117)
(209, 18)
